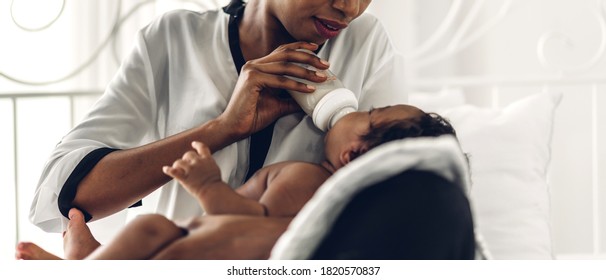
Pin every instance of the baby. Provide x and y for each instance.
(279, 190)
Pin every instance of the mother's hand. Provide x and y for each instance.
(255, 102)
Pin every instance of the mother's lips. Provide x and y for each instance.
(332, 23)
(328, 28)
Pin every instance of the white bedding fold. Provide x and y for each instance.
(441, 155)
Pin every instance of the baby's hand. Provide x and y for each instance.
(195, 170)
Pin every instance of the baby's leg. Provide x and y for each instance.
(78, 242)
(216, 237)
(31, 251)
(140, 239)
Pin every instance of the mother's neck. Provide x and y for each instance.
(260, 31)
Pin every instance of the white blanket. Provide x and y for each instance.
(441, 155)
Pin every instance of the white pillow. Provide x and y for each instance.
(509, 153)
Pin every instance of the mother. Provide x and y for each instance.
(216, 77)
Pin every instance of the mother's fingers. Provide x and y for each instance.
(279, 82)
(293, 70)
(291, 53)
(247, 112)
(297, 45)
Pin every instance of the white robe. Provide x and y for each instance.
(180, 74)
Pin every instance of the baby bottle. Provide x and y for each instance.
(328, 103)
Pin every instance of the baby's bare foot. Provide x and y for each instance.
(78, 241)
(31, 251)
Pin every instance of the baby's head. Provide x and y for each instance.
(358, 132)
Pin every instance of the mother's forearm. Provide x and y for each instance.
(124, 177)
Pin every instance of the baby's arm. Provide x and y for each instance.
(198, 172)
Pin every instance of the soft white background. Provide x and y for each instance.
(509, 50)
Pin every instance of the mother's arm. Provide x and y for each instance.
(124, 177)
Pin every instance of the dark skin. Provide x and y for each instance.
(110, 187)
(270, 33)
(268, 47)
(277, 190)
(240, 224)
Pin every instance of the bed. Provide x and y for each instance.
(522, 82)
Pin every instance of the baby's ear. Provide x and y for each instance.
(354, 152)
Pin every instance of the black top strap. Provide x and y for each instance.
(236, 10)
(235, 7)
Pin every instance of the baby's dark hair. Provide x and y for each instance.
(428, 125)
